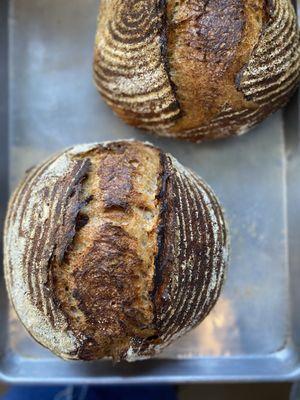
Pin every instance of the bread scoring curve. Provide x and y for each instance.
(130, 66)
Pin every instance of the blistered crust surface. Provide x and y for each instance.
(267, 80)
(80, 246)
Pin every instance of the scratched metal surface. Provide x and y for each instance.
(252, 332)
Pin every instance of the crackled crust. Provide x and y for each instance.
(113, 250)
(224, 65)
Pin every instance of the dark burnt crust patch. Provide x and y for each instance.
(162, 259)
(269, 8)
(209, 33)
(215, 38)
(106, 283)
(116, 180)
(164, 48)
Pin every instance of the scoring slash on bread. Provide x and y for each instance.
(113, 250)
(196, 69)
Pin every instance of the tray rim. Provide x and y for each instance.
(278, 362)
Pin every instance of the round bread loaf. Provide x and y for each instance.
(196, 69)
(113, 250)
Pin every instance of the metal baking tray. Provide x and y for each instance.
(254, 331)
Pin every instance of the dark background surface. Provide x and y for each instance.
(275, 391)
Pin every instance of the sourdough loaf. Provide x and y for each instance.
(196, 69)
(113, 250)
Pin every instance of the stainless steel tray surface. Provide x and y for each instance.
(253, 332)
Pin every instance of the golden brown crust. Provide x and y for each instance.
(227, 63)
(207, 48)
(88, 228)
(112, 260)
(266, 81)
(119, 251)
